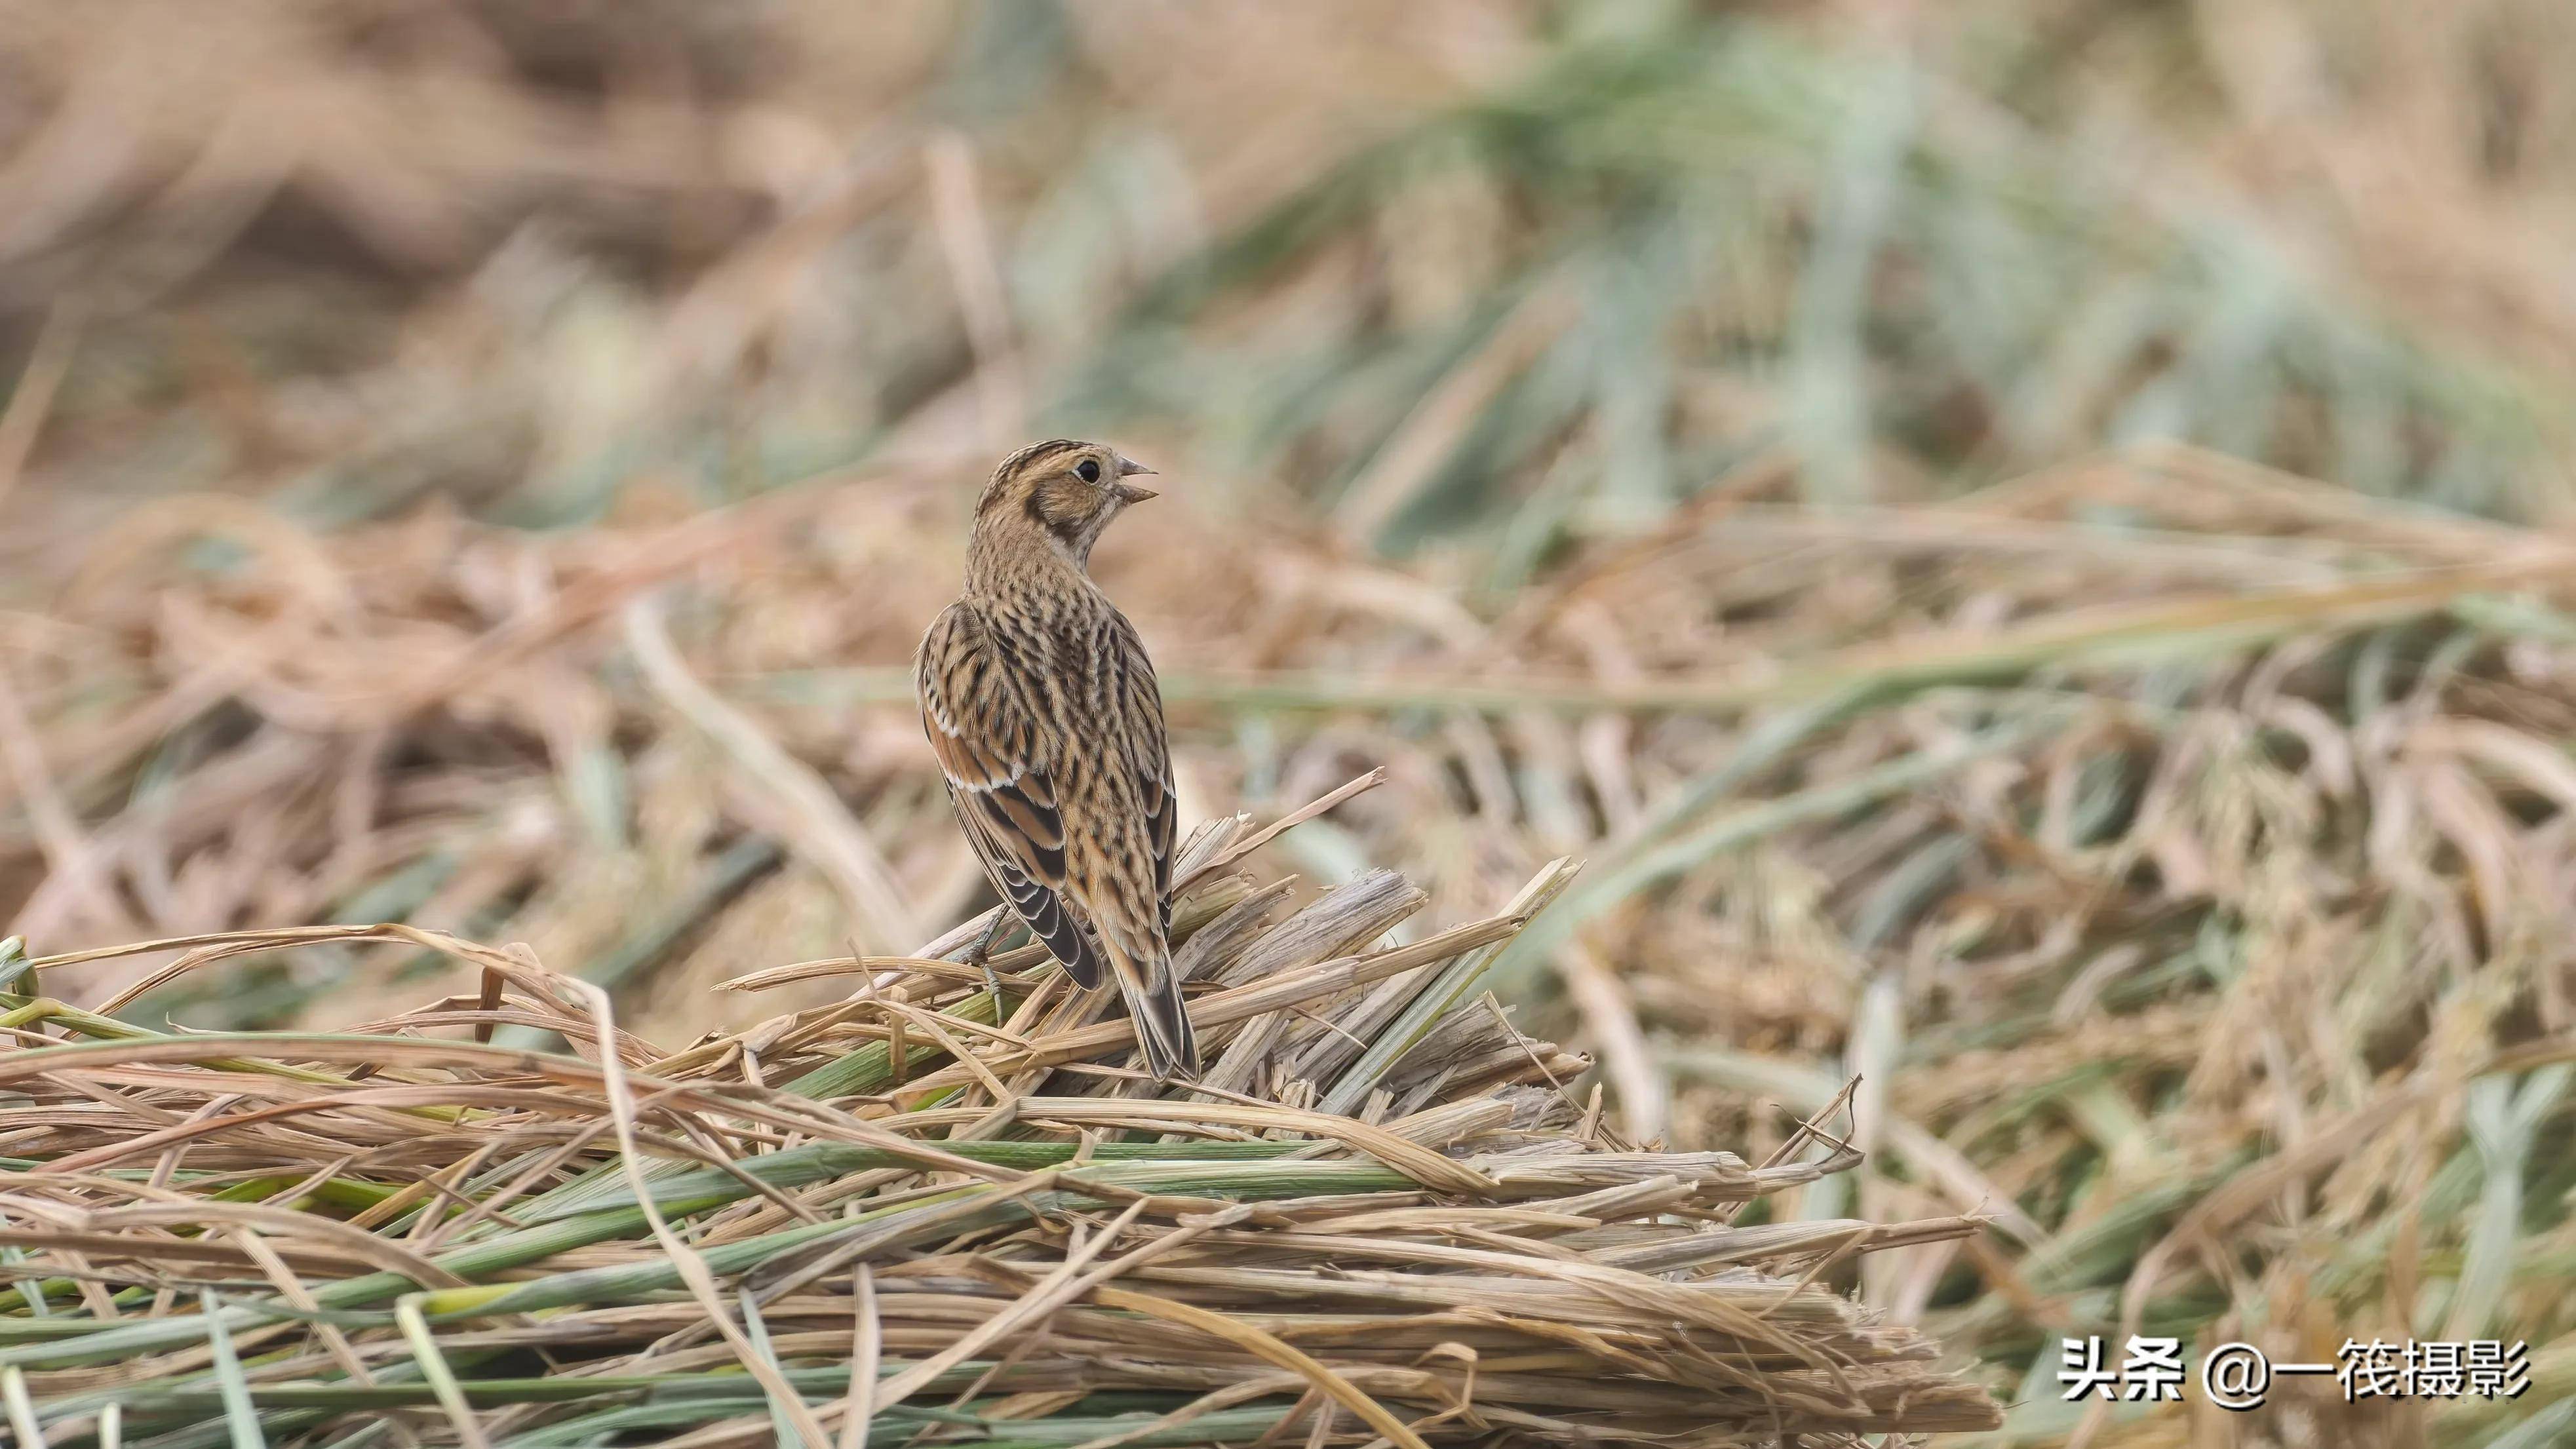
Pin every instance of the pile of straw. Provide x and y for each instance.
(945, 1207)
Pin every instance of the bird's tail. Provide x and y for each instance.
(1153, 992)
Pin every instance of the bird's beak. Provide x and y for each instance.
(1129, 492)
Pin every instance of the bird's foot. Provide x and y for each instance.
(980, 956)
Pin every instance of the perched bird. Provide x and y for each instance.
(1048, 723)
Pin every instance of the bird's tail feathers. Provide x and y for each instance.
(1153, 992)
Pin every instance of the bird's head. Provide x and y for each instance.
(1066, 491)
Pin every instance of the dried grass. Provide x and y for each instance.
(960, 1193)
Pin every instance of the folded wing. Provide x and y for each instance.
(1000, 778)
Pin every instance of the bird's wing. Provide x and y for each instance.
(1148, 756)
(1128, 884)
(1000, 775)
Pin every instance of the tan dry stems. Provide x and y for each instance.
(2070, 921)
(293, 1234)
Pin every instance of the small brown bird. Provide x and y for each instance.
(1048, 723)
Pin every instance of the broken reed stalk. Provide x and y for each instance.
(952, 1201)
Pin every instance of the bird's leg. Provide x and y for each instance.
(981, 955)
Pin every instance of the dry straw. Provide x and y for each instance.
(945, 1207)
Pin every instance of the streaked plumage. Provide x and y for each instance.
(1044, 712)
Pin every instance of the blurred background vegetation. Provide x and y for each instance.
(2023, 540)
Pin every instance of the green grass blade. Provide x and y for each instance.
(239, 1417)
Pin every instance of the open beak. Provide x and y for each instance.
(1129, 492)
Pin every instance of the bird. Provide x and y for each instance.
(1047, 720)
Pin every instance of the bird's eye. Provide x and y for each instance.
(1088, 470)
